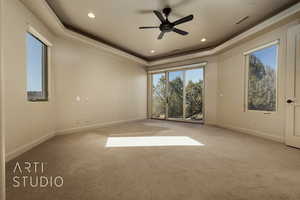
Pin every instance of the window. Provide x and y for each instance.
(262, 78)
(178, 93)
(37, 87)
(159, 99)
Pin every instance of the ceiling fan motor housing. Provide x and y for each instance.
(167, 11)
(166, 27)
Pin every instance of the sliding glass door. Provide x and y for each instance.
(178, 95)
(158, 96)
(175, 95)
(194, 93)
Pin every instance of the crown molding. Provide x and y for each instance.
(260, 27)
(43, 9)
(72, 34)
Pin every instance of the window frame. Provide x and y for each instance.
(45, 67)
(166, 70)
(151, 94)
(247, 66)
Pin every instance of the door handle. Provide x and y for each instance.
(289, 101)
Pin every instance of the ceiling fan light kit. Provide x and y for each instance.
(167, 26)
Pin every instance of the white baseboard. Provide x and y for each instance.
(253, 132)
(210, 123)
(93, 126)
(22, 149)
(11, 155)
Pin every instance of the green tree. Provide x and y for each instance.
(261, 86)
(159, 98)
(194, 100)
(175, 101)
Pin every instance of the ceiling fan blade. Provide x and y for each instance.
(181, 32)
(161, 35)
(159, 15)
(183, 20)
(148, 27)
(144, 11)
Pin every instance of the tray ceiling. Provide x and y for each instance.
(117, 22)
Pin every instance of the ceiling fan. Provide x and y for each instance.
(166, 25)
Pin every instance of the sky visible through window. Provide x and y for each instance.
(176, 74)
(267, 56)
(34, 63)
(157, 77)
(262, 79)
(194, 75)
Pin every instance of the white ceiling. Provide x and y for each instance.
(117, 22)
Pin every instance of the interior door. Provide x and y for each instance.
(293, 88)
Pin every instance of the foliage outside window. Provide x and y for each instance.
(159, 95)
(175, 95)
(182, 98)
(262, 79)
(194, 92)
(37, 86)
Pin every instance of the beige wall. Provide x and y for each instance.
(25, 122)
(2, 142)
(93, 87)
(211, 84)
(110, 88)
(230, 110)
(225, 89)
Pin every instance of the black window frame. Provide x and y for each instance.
(247, 63)
(44, 96)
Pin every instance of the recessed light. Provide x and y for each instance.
(203, 39)
(152, 51)
(91, 15)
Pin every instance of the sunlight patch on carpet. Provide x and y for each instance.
(149, 141)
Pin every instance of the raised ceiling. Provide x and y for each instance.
(117, 22)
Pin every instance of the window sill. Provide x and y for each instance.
(38, 100)
(262, 112)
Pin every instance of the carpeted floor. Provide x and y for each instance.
(230, 166)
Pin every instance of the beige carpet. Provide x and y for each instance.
(230, 166)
